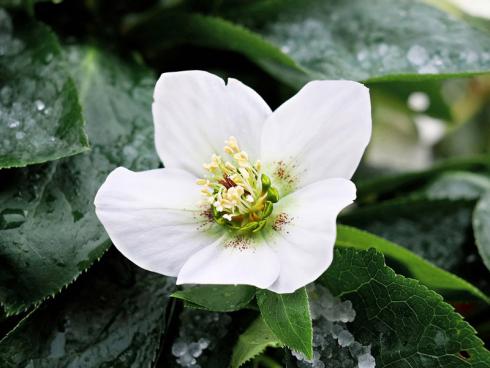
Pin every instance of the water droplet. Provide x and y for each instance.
(382, 49)
(417, 55)
(203, 342)
(39, 105)
(418, 101)
(20, 135)
(179, 349)
(12, 218)
(195, 349)
(14, 124)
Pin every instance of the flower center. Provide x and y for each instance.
(240, 195)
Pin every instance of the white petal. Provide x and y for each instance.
(152, 217)
(303, 237)
(229, 261)
(195, 112)
(319, 133)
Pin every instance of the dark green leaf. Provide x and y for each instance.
(435, 278)
(368, 40)
(434, 229)
(370, 189)
(174, 29)
(481, 227)
(40, 117)
(288, 316)
(49, 232)
(401, 92)
(219, 298)
(459, 185)
(113, 317)
(253, 342)
(406, 324)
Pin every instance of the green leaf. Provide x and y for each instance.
(218, 298)
(459, 185)
(113, 317)
(481, 228)
(288, 316)
(49, 232)
(178, 28)
(402, 91)
(434, 229)
(435, 278)
(253, 342)
(370, 189)
(369, 41)
(406, 324)
(40, 117)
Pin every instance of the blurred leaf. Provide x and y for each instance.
(253, 342)
(471, 137)
(403, 91)
(219, 298)
(288, 316)
(434, 229)
(178, 28)
(370, 189)
(113, 317)
(410, 264)
(370, 41)
(406, 324)
(458, 185)
(49, 232)
(40, 117)
(481, 227)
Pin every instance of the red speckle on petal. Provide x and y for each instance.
(281, 221)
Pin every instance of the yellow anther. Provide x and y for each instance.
(230, 166)
(242, 159)
(244, 173)
(258, 165)
(211, 167)
(206, 191)
(232, 145)
(203, 182)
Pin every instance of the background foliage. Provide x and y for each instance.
(413, 257)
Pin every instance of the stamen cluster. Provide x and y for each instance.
(240, 195)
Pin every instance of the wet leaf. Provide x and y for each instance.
(253, 342)
(49, 232)
(410, 264)
(406, 324)
(113, 317)
(218, 298)
(40, 117)
(288, 316)
(436, 230)
(368, 40)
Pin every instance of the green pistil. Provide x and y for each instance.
(257, 217)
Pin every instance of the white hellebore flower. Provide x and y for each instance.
(260, 211)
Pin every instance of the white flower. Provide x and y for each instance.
(216, 214)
